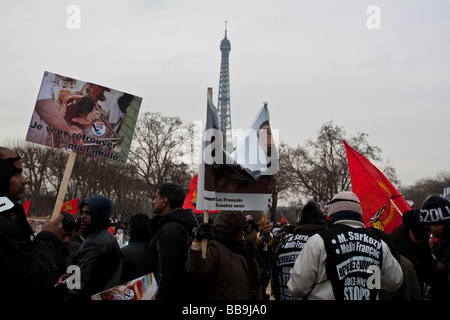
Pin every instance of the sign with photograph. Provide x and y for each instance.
(142, 288)
(244, 179)
(84, 117)
(36, 224)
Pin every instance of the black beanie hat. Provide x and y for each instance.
(435, 210)
(311, 214)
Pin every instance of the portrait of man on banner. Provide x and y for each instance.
(244, 179)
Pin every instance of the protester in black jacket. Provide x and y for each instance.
(27, 262)
(133, 252)
(411, 241)
(99, 256)
(166, 252)
(435, 216)
(312, 221)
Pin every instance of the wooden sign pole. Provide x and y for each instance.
(205, 241)
(205, 212)
(64, 184)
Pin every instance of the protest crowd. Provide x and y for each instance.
(325, 256)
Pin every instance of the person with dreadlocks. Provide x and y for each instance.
(28, 262)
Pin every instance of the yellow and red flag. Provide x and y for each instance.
(70, 206)
(382, 204)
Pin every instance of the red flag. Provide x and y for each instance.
(382, 204)
(70, 206)
(190, 201)
(26, 207)
(283, 218)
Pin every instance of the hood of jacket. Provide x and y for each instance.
(311, 214)
(13, 211)
(227, 221)
(7, 170)
(100, 208)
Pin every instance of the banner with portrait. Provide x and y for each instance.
(83, 117)
(244, 179)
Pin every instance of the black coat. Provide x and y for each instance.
(420, 256)
(132, 255)
(27, 263)
(290, 248)
(166, 253)
(98, 258)
(440, 281)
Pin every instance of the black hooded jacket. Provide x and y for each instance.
(27, 263)
(440, 282)
(99, 255)
(166, 253)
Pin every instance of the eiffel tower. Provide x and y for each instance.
(223, 104)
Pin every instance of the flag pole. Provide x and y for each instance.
(205, 212)
(395, 206)
(64, 184)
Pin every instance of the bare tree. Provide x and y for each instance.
(158, 145)
(319, 168)
(37, 163)
(117, 181)
(424, 187)
(44, 168)
(156, 156)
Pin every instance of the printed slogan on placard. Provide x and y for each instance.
(84, 117)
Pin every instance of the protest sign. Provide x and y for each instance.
(244, 179)
(36, 223)
(83, 117)
(142, 288)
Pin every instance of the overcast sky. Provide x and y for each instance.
(313, 61)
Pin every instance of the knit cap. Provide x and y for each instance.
(435, 210)
(344, 201)
(345, 205)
